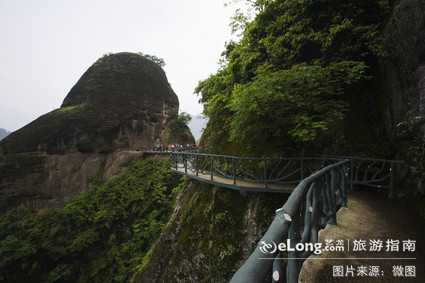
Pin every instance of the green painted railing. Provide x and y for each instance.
(311, 206)
(369, 172)
(323, 185)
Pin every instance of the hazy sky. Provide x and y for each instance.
(46, 45)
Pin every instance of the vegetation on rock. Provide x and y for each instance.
(292, 77)
(212, 230)
(100, 236)
(153, 58)
(178, 131)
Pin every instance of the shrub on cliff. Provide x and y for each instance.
(100, 236)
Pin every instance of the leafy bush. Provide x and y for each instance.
(285, 83)
(100, 236)
(298, 104)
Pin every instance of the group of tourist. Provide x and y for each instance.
(175, 147)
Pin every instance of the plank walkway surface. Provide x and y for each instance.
(238, 184)
(369, 216)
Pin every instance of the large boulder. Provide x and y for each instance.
(121, 105)
(122, 101)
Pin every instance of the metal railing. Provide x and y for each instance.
(310, 207)
(266, 171)
(377, 173)
(370, 172)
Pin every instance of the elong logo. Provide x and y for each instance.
(272, 247)
(268, 248)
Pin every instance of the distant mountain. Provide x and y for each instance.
(197, 125)
(3, 133)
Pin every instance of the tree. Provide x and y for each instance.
(292, 54)
(297, 105)
(155, 59)
(184, 118)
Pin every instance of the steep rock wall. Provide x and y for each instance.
(210, 233)
(121, 105)
(122, 101)
(403, 81)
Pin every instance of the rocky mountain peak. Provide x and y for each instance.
(122, 101)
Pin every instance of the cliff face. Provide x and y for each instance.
(122, 103)
(403, 81)
(209, 234)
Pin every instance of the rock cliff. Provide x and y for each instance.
(209, 234)
(403, 83)
(122, 104)
(122, 101)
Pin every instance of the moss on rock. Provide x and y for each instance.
(210, 232)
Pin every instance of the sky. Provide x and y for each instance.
(46, 45)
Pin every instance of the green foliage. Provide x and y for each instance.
(286, 81)
(100, 236)
(177, 131)
(297, 104)
(208, 236)
(184, 118)
(153, 58)
(179, 125)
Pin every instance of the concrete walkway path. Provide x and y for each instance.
(236, 184)
(369, 216)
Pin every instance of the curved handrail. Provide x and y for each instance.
(311, 205)
(371, 172)
(323, 193)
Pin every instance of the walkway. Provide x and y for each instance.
(275, 175)
(369, 216)
(317, 188)
(236, 184)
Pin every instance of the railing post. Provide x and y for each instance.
(316, 214)
(265, 173)
(324, 203)
(302, 168)
(292, 267)
(308, 212)
(197, 165)
(212, 168)
(234, 170)
(332, 191)
(343, 187)
(279, 267)
(351, 174)
(391, 188)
